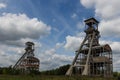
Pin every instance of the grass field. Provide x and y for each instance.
(28, 77)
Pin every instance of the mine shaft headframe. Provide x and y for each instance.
(29, 46)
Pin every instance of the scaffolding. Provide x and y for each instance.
(92, 59)
(28, 62)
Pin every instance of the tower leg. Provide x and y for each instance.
(17, 63)
(69, 72)
(85, 71)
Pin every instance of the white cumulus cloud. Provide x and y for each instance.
(104, 8)
(2, 5)
(72, 43)
(17, 26)
(51, 59)
(110, 28)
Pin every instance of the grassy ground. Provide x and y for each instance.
(34, 77)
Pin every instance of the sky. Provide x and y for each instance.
(56, 27)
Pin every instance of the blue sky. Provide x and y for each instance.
(58, 14)
(56, 27)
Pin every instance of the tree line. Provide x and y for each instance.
(11, 71)
(58, 71)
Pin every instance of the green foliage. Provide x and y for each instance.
(12, 71)
(55, 74)
(9, 70)
(59, 71)
(116, 75)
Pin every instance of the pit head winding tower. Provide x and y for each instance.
(28, 62)
(92, 59)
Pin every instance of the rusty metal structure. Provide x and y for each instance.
(27, 61)
(92, 59)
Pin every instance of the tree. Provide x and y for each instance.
(58, 71)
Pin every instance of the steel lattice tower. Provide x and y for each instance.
(92, 59)
(27, 61)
